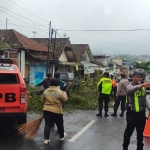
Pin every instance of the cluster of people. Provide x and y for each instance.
(132, 96)
(53, 96)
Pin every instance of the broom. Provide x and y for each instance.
(30, 129)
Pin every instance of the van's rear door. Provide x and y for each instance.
(9, 90)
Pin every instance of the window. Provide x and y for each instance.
(6, 78)
(7, 67)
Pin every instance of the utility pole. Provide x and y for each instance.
(49, 43)
(6, 23)
(34, 33)
(54, 51)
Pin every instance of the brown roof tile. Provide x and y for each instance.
(18, 40)
(60, 45)
(79, 50)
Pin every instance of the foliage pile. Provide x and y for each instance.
(83, 96)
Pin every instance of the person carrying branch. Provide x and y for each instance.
(52, 99)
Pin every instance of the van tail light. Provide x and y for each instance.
(23, 95)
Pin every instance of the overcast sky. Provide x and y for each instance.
(84, 15)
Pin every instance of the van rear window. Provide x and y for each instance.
(7, 67)
(6, 78)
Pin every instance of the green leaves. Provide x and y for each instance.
(84, 96)
(2, 45)
(142, 65)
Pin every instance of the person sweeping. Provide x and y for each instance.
(52, 112)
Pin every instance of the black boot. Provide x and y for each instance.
(99, 114)
(114, 115)
(106, 115)
(125, 148)
(122, 114)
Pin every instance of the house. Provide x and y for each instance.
(103, 59)
(20, 48)
(31, 56)
(84, 56)
(64, 59)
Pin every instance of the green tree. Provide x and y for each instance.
(142, 65)
(2, 45)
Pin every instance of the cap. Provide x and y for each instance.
(56, 74)
(140, 72)
(54, 82)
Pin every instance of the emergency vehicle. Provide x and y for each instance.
(13, 93)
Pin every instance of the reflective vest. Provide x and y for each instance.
(114, 83)
(106, 85)
(136, 101)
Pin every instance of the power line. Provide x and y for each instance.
(112, 43)
(21, 16)
(106, 30)
(30, 12)
(27, 10)
(25, 29)
(22, 20)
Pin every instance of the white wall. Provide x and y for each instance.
(21, 62)
(63, 57)
(117, 60)
(104, 61)
(87, 56)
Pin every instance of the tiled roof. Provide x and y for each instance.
(79, 50)
(100, 64)
(18, 41)
(60, 45)
(101, 56)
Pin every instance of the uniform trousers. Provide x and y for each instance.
(103, 98)
(134, 120)
(121, 99)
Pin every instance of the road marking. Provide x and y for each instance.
(81, 131)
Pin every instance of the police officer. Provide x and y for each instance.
(136, 106)
(105, 88)
(121, 95)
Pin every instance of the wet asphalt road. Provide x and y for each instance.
(103, 134)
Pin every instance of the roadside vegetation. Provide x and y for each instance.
(83, 96)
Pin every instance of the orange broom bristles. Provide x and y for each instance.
(30, 129)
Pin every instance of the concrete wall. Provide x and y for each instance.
(117, 60)
(104, 61)
(63, 57)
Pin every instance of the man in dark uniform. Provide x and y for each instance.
(45, 82)
(136, 106)
(62, 84)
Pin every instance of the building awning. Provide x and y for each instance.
(89, 67)
(88, 64)
(68, 63)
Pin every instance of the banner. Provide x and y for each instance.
(88, 70)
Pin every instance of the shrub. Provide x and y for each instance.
(84, 96)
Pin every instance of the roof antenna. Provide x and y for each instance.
(64, 35)
(34, 33)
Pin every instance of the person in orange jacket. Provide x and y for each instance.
(114, 86)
